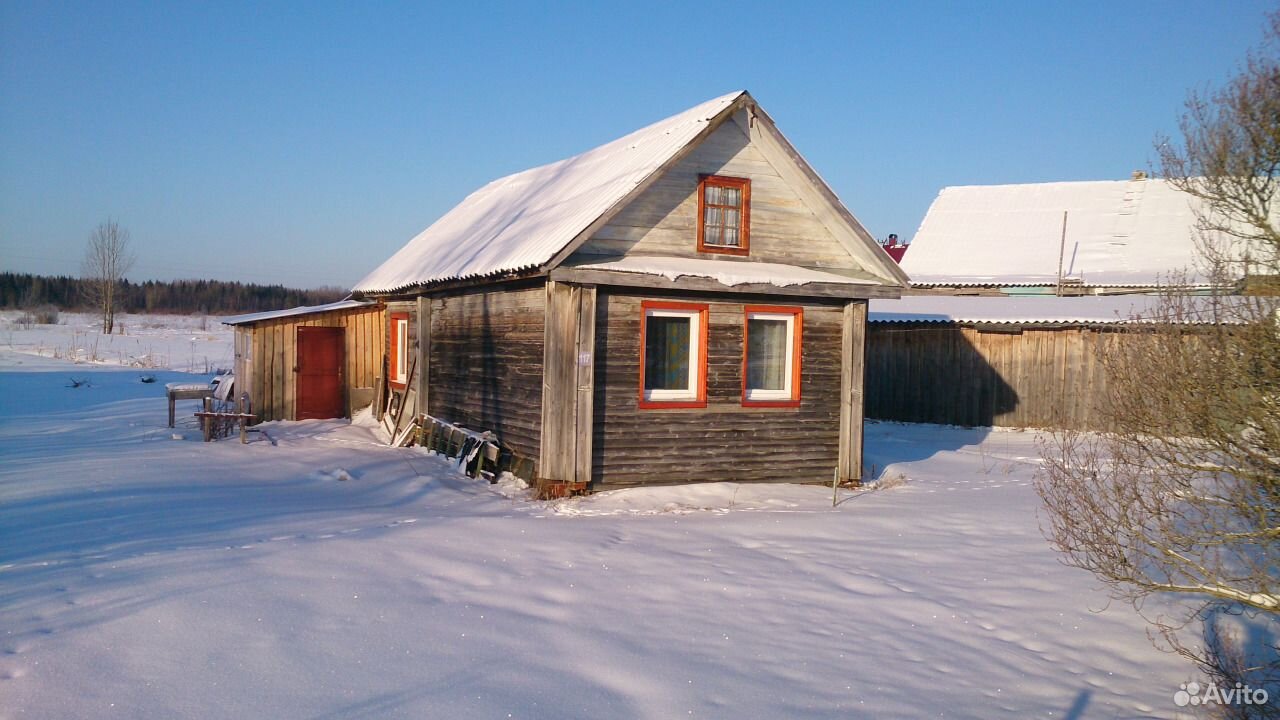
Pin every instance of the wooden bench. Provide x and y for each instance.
(186, 391)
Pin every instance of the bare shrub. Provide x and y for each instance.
(1182, 497)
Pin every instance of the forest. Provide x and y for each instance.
(21, 290)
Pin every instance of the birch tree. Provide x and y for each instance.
(106, 260)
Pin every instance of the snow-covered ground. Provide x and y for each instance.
(145, 574)
(191, 343)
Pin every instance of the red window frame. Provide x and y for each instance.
(798, 334)
(394, 355)
(744, 214)
(703, 311)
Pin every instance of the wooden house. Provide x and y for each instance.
(686, 303)
(1103, 237)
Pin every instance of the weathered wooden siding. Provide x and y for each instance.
(958, 375)
(663, 220)
(243, 363)
(724, 441)
(486, 362)
(267, 353)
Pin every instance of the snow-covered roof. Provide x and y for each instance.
(290, 312)
(521, 221)
(1118, 233)
(1091, 310)
(725, 272)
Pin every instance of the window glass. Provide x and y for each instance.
(402, 351)
(767, 354)
(667, 352)
(771, 355)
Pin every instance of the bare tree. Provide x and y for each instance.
(1182, 496)
(106, 260)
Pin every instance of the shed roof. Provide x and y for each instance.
(524, 222)
(300, 310)
(1118, 233)
(1012, 310)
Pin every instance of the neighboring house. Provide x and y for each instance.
(1108, 237)
(687, 303)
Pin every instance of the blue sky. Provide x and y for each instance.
(303, 144)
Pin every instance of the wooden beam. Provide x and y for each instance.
(704, 284)
(559, 396)
(852, 351)
(568, 394)
(584, 360)
(424, 354)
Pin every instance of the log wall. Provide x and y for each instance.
(724, 441)
(485, 369)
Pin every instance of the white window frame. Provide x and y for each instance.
(401, 339)
(787, 392)
(690, 392)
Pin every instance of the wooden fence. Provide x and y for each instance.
(983, 375)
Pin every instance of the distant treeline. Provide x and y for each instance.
(177, 296)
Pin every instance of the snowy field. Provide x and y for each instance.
(145, 574)
(190, 343)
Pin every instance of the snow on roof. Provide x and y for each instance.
(290, 312)
(1091, 310)
(1125, 232)
(521, 221)
(725, 272)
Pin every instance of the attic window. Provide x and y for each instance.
(724, 209)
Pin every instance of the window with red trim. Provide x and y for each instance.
(673, 355)
(724, 215)
(399, 366)
(771, 355)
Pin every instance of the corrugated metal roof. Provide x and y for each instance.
(1118, 233)
(300, 310)
(521, 221)
(1099, 310)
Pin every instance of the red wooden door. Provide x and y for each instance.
(321, 358)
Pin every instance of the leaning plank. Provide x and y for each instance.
(408, 388)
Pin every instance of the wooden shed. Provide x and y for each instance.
(309, 362)
(686, 303)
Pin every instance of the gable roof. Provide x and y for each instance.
(1121, 233)
(529, 221)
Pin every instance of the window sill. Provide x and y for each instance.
(740, 252)
(782, 403)
(688, 404)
